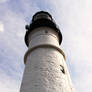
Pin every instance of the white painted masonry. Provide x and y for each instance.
(45, 67)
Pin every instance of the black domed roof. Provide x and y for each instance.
(42, 19)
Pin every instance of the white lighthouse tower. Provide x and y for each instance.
(45, 67)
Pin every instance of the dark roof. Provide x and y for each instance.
(44, 20)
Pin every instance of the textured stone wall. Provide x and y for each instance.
(45, 68)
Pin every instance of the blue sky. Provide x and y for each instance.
(74, 18)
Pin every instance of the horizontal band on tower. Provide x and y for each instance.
(42, 46)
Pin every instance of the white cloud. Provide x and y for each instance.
(1, 27)
(8, 84)
(9, 87)
(21, 34)
(12, 68)
(3, 1)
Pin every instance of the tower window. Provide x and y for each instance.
(46, 31)
(62, 69)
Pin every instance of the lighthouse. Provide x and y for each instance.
(45, 65)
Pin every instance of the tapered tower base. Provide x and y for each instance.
(45, 67)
